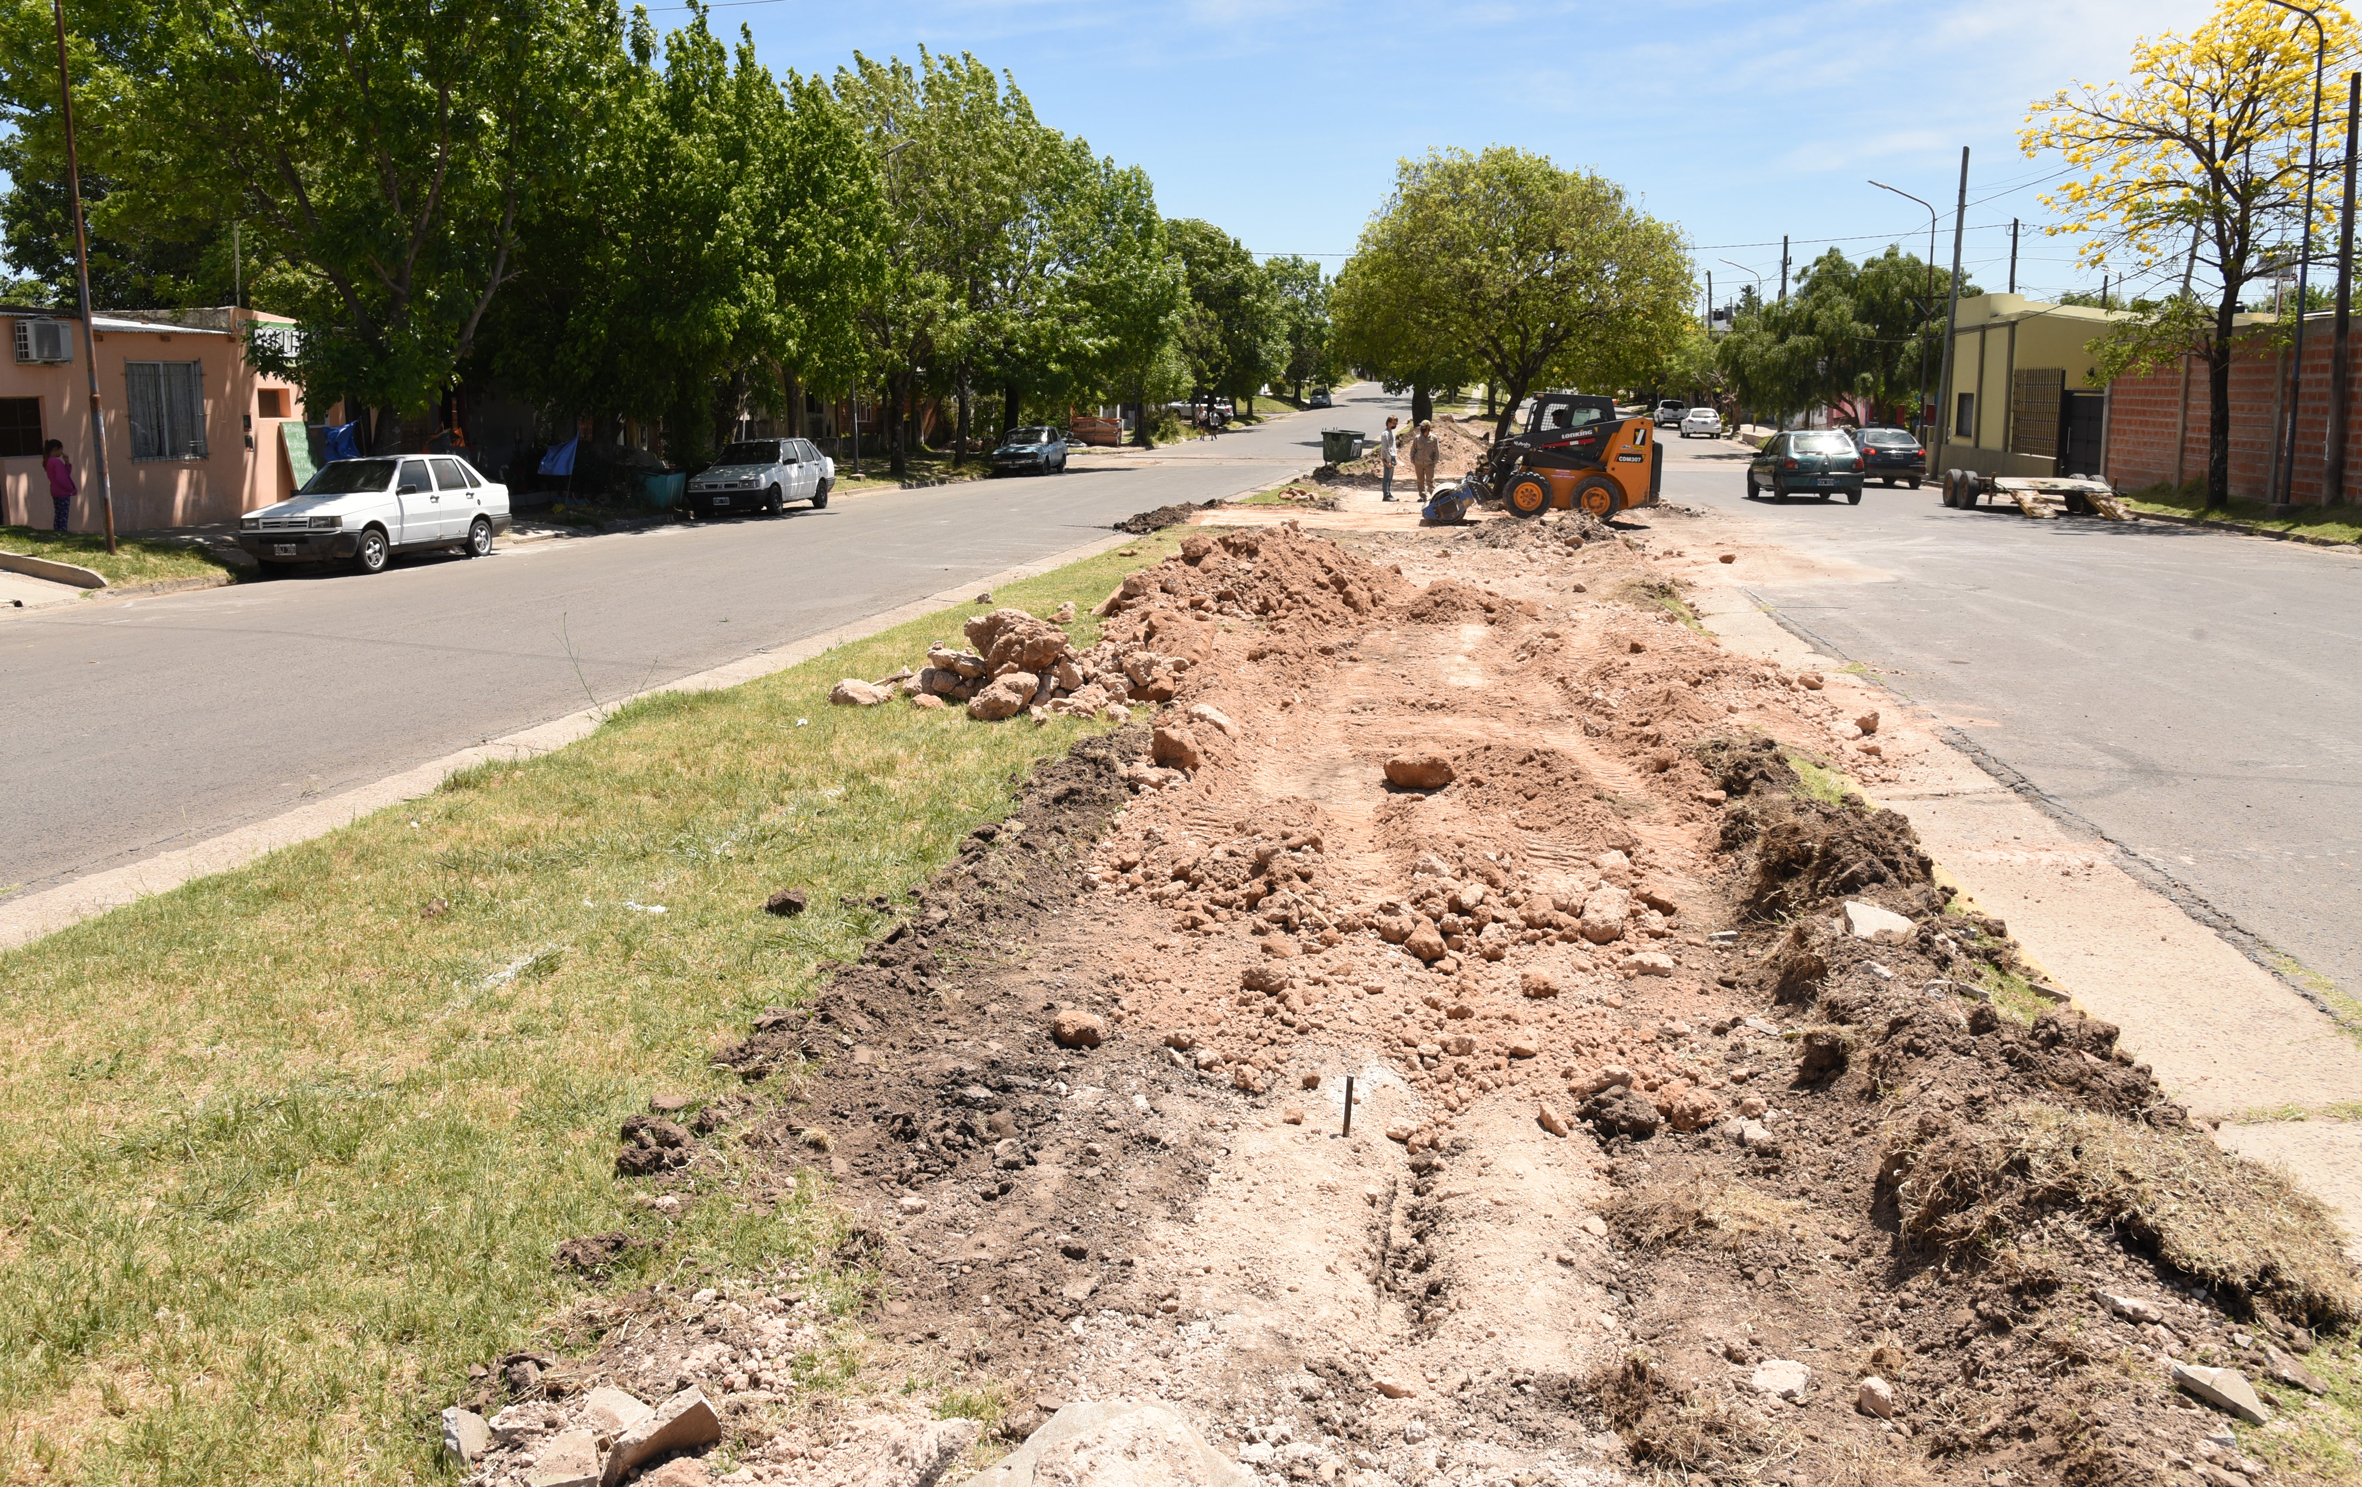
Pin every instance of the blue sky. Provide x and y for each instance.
(1282, 120)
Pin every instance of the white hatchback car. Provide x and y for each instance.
(761, 475)
(366, 510)
(1702, 420)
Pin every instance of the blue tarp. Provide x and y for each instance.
(560, 459)
(339, 442)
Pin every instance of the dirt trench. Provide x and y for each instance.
(1653, 1163)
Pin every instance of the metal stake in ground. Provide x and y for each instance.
(1348, 1106)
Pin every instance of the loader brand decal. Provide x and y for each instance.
(1630, 459)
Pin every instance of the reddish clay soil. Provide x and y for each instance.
(1653, 1163)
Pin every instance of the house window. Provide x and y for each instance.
(20, 427)
(271, 402)
(1964, 426)
(166, 403)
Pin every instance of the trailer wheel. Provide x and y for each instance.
(1951, 488)
(1528, 495)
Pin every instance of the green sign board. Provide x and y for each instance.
(298, 440)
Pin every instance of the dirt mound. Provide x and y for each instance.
(1535, 789)
(1812, 853)
(1446, 601)
(1276, 574)
(1462, 446)
(1741, 765)
(1566, 529)
(1143, 523)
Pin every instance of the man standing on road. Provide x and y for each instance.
(1424, 451)
(61, 480)
(1386, 458)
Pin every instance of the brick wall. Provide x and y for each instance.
(2143, 411)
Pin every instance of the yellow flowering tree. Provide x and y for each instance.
(2198, 162)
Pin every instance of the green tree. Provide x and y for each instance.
(724, 234)
(2199, 162)
(1304, 304)
(383, 155)
(1854, 337)
(1534, 274)
(1233, 330)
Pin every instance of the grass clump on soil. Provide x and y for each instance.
(2239, 1227)
(1726, 1213)
(288, 1148)
(135, 559)
(1817, 781)
(1676, 1430)
(1662, 593)
(2331, 524)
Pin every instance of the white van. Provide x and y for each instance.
(366, 510)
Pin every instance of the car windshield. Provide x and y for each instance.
(1031, 436)
(1890, 439)
(752, 452)
(1820, 444)
(344, 477)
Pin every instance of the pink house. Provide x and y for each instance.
(192, 429)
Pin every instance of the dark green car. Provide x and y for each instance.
(1807, 462)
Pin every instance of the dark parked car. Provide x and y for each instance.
(1891, 455)
(1818, 462)
(1041, 451)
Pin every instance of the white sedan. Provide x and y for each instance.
(1702, 420)
(366, 510)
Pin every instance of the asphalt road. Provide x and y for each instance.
(2193, 695)
(140, 726)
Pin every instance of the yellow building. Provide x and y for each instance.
(2025, 397)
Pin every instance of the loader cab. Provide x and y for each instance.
(1556, 413)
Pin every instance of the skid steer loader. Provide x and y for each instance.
(1575, 453)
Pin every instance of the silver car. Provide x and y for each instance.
(761, 475)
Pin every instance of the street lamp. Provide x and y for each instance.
(2296, 381)
(1928, 304)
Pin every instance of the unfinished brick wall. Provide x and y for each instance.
(2143, 412)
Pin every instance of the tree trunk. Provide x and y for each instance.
(1012, 408)
(898, 457)
(794, 388)
(1512, 393)
(959, 427)
(1140, 435)
(386, 427)
(1422, 404)
(2218, 400)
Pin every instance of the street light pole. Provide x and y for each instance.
(2296, 377)
(2341, 365)
(1927, 301)
(98, 425)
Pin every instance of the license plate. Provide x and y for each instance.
(1825, 480)
(282, 549)
(721, 500)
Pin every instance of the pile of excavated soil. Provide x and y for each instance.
(1143, 523)
(1656, 1167)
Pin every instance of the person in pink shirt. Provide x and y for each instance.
(61, 479)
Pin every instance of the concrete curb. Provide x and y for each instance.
(29, 918)
(2242, 529)
(220, 580)
(52, 569)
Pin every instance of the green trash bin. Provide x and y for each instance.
(1339, 446)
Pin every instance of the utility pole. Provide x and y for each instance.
(1951, 320)
(98, 424)
(1783, 268)
(2304, 253)
(1709, 303)
(2333, 473)
(2013, 255)
(2103, 294)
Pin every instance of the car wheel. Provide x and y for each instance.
(820, 496)
(479, 537)
(1779, 494)
(374, 552)
(1913, 484)
(773, 503)
(1853, 498)
(1752, 491)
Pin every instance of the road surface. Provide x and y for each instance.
(136, 727)
(2193, 695)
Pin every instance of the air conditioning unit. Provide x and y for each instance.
(44, 340)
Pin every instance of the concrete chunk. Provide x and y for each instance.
(465, 1436)
(2226, 1389)
(681, 1423)
(1781, 1378)
(569, 1460)
(611, 1412)
(1868, 921)
(1116, 1443)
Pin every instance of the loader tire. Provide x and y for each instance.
(1598, 495)
(1526, 495)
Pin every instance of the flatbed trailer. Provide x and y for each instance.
(2040, 497)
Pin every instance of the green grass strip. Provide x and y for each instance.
(285, 1149)
(135, 560)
